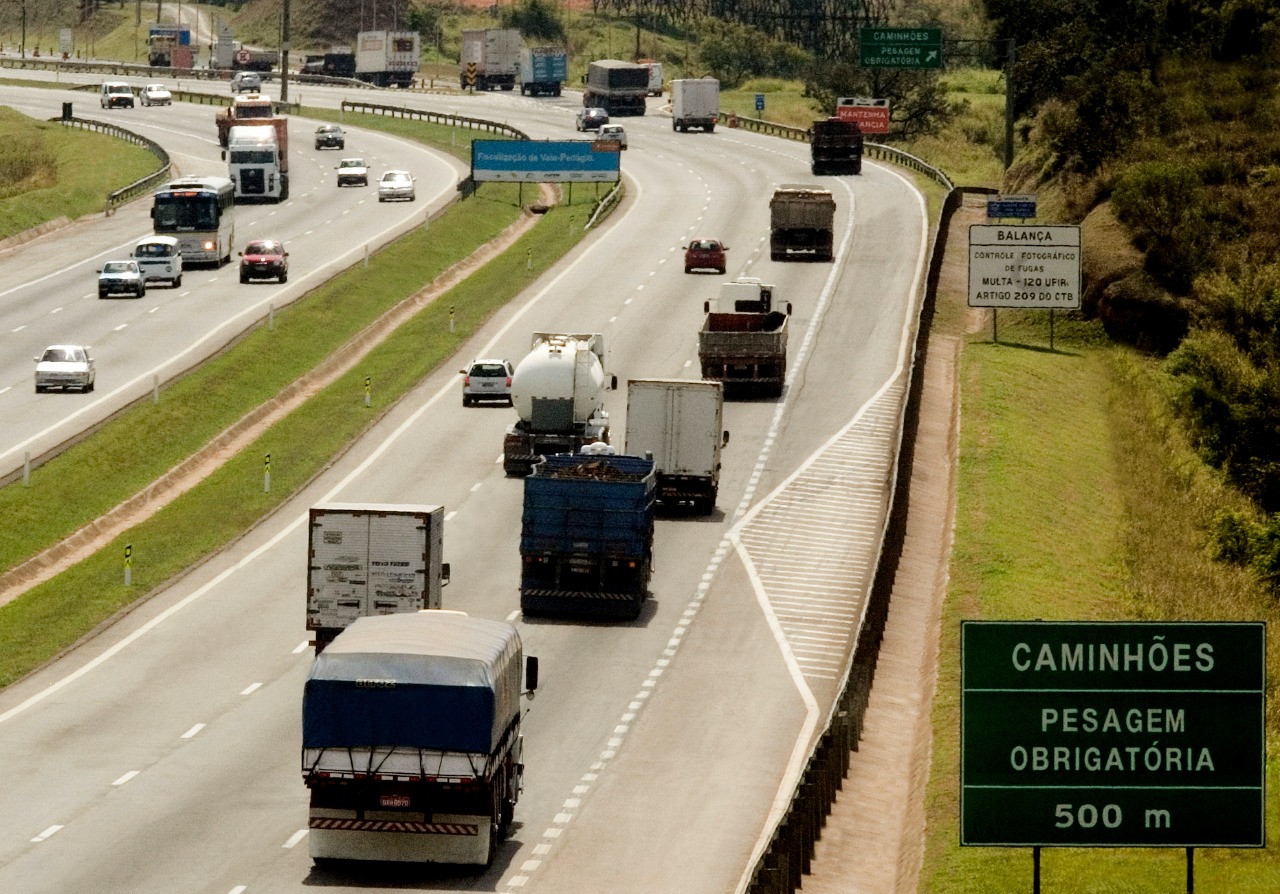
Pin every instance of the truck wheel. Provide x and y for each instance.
(675, 125)
(711, 128)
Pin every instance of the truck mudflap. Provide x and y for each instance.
(745, 378)
(581, 603)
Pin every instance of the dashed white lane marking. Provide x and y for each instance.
(126, 777)
(46, 834)
(252, 688)
(295, 838)
(193, 732)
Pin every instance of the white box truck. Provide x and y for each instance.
(678, 422)
(388, 58)
(490, 58)
(695, 102)
(366, 559)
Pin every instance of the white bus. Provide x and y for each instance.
(200, 213)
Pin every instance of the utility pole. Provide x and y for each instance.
(284, 53)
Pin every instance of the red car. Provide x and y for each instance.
(264, 259)
(705, 254)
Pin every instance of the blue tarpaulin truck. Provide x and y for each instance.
(586, 542)
(411, 743)
(543, 70)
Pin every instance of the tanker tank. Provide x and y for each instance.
(558, 393)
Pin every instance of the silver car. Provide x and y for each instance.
(65, 367)
(486, 380)
(121, 278)
(395, 185)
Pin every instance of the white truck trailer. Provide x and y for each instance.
(366, 559)
(695, 102)
(679, 423)
(490, 58)
(388, 58)
(411, 742)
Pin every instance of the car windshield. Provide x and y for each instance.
(263, 248)
(117, 267)
(328, 128)
(705, 245)
(63, 355)
(394, 176)
(351, 163)
(153, 250)
(489, 369)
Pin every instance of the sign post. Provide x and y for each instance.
(1119, 734)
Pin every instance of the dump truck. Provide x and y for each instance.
(802, 223)
(678, 423)
(586, 539)
(251, 108)
(368, 559)
(620, 88)
(835, 147)
(387, 58)
(543, 70)
(695, 103)
(746, 349)
(489, 58)
(558, 392)
(411, 741)
(257, 163)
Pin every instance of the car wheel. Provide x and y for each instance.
(102, 294)
(142, 291)
(688, 269)
(382, 198)
(721, 271)
(177, 283)
(40, 389)
(284, 277)
(466, 401)
(89, 387)
(244, 278)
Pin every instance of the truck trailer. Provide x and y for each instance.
(746, 349)
(586, 541)
(620, 88)
(490, 58)
(802, 223)
(248, 109)
(411, 742)
(257, 161)
(543, 70)
(366, 559)
(695, 103)
(679, 424)
(835, 147)
(387, 58)
(558, 392)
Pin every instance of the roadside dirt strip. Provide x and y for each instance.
(195, 469)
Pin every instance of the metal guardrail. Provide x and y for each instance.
(140, 186)
(450, 120)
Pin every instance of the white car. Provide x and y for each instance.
(65, 367)
(353, 172)
(155, 95)
(486, 380)
(396, 185)
(613, 132)
(121, 278)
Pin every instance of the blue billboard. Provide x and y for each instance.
(545, 161)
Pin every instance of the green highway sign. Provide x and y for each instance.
(1113, 734)
(900, 47)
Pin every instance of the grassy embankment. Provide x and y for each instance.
(99, 473)
(1078, 498)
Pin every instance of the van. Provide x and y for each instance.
(117, 95)
(160, 258)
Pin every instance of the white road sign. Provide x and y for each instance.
(1024, 266)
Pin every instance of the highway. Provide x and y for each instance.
(163, 754)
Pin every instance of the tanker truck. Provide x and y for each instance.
(411, 743)
(558, 392)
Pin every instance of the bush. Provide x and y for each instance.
(1137, 311)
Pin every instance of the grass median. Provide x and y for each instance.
(100, 472)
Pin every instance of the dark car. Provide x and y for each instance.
(705, 254)
(591, 119)
(264, 259)
(330, 136)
